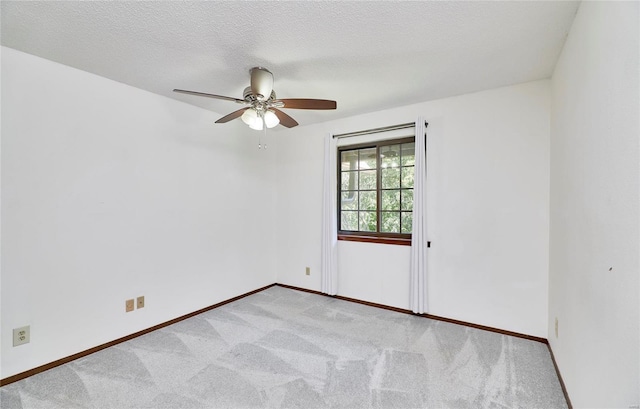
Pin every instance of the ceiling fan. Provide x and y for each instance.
(263, 107)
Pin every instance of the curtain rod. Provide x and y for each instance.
(376, 130)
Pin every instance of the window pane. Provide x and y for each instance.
(407, 219)
(390, 200)
(349, 180)
(390, 156)
(390, 222)
(368, 200)
(349, 201)
(349, 160)
(368, 221)
(391, 178)
(407, 176)
(349, 220)
(407, 199)
(376, 188)
(408, 154)
(368, 180)
(368, 158)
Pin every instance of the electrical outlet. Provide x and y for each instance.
(556, 327)
(308, 271)
(140, 302)
(128, 306)
(21, 336)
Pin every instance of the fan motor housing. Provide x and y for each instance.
(248, 95)
(261, 83)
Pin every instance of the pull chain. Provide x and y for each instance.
(264, 126)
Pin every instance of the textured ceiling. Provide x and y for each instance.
(366, 55)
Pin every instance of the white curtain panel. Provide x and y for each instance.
(329, 261)
(419, 229)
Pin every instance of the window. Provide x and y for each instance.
(375, 191)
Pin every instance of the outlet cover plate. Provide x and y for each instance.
(21, 336)
(140, 302)
(128, 305)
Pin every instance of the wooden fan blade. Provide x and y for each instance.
(285, 120)
(202, 94)
(233, 115)
(304, 103)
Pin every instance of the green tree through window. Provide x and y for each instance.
(376, 188)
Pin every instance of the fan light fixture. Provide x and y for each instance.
(254, 119)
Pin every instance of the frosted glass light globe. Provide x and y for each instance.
(271, 119)
(256, 124)
(249, 116)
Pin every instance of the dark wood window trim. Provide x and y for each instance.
(401, 241)
(370, 237)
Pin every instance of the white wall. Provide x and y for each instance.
(110, 192)
(488, 209)
(594, 233)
